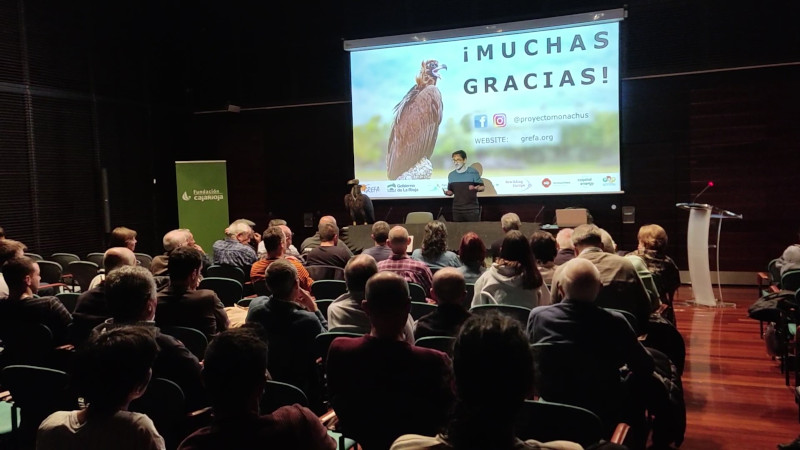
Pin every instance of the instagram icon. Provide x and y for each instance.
(499, 120)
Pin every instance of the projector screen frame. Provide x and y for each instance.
(617, 15)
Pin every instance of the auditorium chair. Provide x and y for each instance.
(229, 291)
(546, 421)
(52, 274)
(34, 256)
(417, 292)
(194, 340)
(277, 394)
(96, 257)
(164, 403)
(69, 300)
(419, 217)
(441, 343)
(82, 273)
(520, 313)
(332, 289)
(419, 309)
(144, 260)
(322, 305)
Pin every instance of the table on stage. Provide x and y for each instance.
(357, 237)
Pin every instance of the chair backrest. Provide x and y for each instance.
(664, 337)
(225, 271)
(324, 272)
(244, 303)
(144, 259)
(774, 271)
(790, 280)
(64, 259)
(228, 290)
(164, 403)
(37, 392)
(26, 343)
(96, 257)
(261, 289)
(545, 421)
(328, 288)
(441, 343)
(69, 300)
(323, 341)
(323, 305)
(50, 271)
(419, 309)
(83, 272)
(34, 256)
(277, 394)
(417, 292)
(419, 217)
(520, 313)
(194, 340)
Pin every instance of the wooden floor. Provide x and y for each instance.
(735, 394)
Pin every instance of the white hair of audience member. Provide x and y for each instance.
(580, 280)
(510, 221)
(239, 227)
(175, 238)
(609, 246)
(564, 238)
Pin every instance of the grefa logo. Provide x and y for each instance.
(185, 196)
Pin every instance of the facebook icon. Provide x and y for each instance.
(480, 121)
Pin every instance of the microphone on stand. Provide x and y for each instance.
(538, 214)
(709, 185)
(386, 219)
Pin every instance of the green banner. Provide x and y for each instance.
(203, 200)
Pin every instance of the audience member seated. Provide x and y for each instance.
(513, 279)
(380, 386)
(486, 408)
(651, 250)
(380, 234)
(182, 304)
(291, 250)
(400, 263)
(314, 241)
(274, 241)
(22, 306)
(122, 237)
(111, 371)
(544, 248)
(92, 308)
(448, 292)
(622, 287)
(9, 248)
(175, 239)
(131, 296)
(790, 259)
(345, 312)
(566, 250)
(601, 342)
(433, 251)
(235, 250)
(114, 257)
(509, 221)
(328, 253)
(292, 321)
(472, 253)
(234, 372)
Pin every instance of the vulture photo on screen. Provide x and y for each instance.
(416, 126)
(359, 205)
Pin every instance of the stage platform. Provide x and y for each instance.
(357, 237)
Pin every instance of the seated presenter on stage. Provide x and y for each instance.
(463, 184)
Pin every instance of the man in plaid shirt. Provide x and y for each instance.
(400, 263)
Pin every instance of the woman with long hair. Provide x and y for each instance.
(472, 253)
(514, 278)
(434, 251)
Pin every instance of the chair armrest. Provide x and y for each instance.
(199, 412)
(762, 277)
(620, 433)
(329, 420)
(5, 396)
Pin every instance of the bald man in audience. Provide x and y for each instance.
(113, 258)
(380, 385)
(622, 288)
(400, 263)
(566, 250)
(345, 313)
(92, 307)
(599, 341)
(172, 240)
(449, 291)
(314, 241)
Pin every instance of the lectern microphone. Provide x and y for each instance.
(538, 214)
(710, 184)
